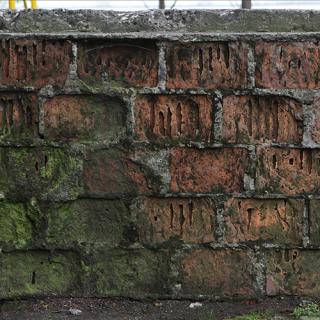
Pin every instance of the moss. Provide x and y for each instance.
(98, 223)
(38, 273)
(125, 273)
(44, 173)
(15, 225)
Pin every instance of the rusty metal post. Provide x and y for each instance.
(246, 4)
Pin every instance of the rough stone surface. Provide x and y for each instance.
(269, 221)
(292, 272)
(205, 171)
(84, 118)
(163, 220)
(290, 171)
(213, 272)
(207, 65)
(38, 273)
(174, 118)
(19, 117)
(132, 64)
(287, 65)
(252, 119)
(34, 63)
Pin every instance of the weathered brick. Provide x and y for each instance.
(254, 119)
(207, 65)
(34, 63)
(44, 173)
(314, 222)
(222, 273)
(87, 222)
(113, 172)
(132, 63)
(166, 219)
(126, 273)
(32, 273)
(264, 220)
(287, 65)
(210, 170)
(290, 171)
(314, 123)
(292, 272)
(19, 116)
(84, 117)
(174, 118)
(18, 223)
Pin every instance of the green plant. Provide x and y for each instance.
(206, 315)
(311, 309)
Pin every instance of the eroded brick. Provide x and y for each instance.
(31, 273)
(314, 222)
(34, 63)
(292, 272)
(87, 222)
(164, 219)
(114, 172)
(207, 65)
(222, 273)
(19, 116)
(169, 118)
(253, 119)
(84, 117)
(264, 220)
(125, 273)
(287, 65)
(43, 173)
(130, 63)
(290, 171)
(210, 170)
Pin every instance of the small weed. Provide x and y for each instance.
(206, 315)
(311, 309)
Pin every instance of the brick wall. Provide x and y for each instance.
(180, 165)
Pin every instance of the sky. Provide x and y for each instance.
(127, 5)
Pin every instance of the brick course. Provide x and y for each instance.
(157, 164)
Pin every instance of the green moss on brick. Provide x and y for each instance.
(31, 273)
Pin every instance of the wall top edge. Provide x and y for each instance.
(159, 21)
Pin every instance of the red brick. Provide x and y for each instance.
(287, 65)
(131, 63)
(113, 172)
(163, 219)
(207, 65)
(223, 273)
(168, 118)
(290, 171)
(266, 220)
(253, 119)
(293, 272)
(34, 63)
(84, 117)
(210, 170)
(19, 116)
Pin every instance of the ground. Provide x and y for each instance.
(114, 309)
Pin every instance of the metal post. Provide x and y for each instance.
(246, 4)
(34, 4)
(162, 4)
(12, 4)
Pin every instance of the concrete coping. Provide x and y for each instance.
(157, 23)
